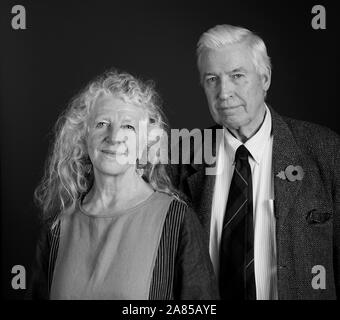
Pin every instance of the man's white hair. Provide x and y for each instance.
(225, 34)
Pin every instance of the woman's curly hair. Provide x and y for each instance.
(69, 172)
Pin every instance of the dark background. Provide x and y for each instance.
(66, 44)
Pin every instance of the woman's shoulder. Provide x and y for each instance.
(180, 211)
(175, 204)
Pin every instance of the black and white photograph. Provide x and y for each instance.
(179, 151)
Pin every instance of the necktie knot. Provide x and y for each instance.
(242, 153)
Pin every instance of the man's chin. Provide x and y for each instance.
(231, 123)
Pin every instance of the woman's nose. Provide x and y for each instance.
(115, 135)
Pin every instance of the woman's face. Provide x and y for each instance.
(112, 138)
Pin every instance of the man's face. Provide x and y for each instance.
(234, 90)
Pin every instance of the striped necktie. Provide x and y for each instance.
(237, 280)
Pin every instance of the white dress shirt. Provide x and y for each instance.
(260, 147)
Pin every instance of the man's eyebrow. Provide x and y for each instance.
(205, 74)
(240, 69)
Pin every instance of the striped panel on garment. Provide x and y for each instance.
(161, 287)
(54, 236)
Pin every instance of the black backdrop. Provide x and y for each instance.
(66, 44)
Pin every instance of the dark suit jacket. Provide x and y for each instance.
(307, 212)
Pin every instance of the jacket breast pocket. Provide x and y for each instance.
(316, 217)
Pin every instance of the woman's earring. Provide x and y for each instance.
(88, 168)
(139, 169)
(140, 172)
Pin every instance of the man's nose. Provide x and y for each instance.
(226, 89)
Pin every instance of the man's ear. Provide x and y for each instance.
(266, 80)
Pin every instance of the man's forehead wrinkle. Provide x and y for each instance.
(214, 63)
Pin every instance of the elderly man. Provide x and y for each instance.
(272, 213)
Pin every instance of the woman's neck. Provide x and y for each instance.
(116, 193)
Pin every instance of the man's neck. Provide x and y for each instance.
(245, 133)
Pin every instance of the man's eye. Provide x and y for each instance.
(128, 126)
(211, 80)
(236, 76)
(102, 124)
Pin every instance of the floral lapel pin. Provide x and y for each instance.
(291, 173)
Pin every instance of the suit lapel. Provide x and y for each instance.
(285, 152)
(202, 200)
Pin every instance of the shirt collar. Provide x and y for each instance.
(256, 144)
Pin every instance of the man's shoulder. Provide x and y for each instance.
(311, 133)
(318, 143)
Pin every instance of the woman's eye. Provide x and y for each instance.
(128, 126)
(101, 124)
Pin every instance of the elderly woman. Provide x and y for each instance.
(114, 228)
